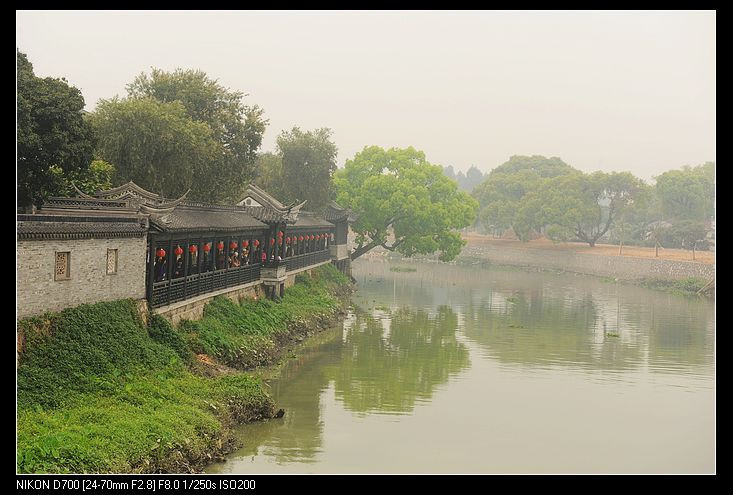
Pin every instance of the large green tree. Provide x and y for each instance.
(97, 177)
(308, 162)
(220, 128)
(689, 235)
(581, 206)
(269, 170)
(403, 203)
(51, 132)
(543, 166)
(687, 194)
(500, 195)
(156, 145)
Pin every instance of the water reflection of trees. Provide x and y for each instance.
(536, 327)
(382, 365)
(297, 437)
(576, 327)
(389, 371)
(387, 364)
(542, 319)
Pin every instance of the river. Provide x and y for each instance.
(452, 369)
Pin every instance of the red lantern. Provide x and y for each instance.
(272, 241)
(280, 234)
(221, 245)
(160, 252)
(257, 242)
(245, 244)
(287, 239)
(178, 251)
(312, 237)
(192, 248)
(232, 246)
(207, 247)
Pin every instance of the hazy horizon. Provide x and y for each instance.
(625, 91)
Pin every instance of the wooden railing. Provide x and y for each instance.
(303, 260)
(179, 289)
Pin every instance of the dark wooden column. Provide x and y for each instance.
(151, 270)
(284, 245)
(185, 267)
(169, 267)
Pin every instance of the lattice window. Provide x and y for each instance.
(111, 261)
(61, 268)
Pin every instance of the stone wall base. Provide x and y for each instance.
(193, 309)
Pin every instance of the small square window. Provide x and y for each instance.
(62, 267)
(111, 261)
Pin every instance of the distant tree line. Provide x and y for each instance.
(466, 182)
(535, 195)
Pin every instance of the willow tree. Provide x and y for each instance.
(403, 203)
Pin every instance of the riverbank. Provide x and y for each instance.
(102, 388)
(669, 274)
(687, 281)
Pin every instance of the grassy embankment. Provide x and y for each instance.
(100, 391)
(687, 286)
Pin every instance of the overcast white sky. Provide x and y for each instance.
(602, 90)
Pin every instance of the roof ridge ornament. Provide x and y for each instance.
(130, 189)
(81, 193)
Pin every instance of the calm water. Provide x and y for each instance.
(459, 370)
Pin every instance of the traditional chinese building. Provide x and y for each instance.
(174, 254)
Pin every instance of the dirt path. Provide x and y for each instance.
(706, 257)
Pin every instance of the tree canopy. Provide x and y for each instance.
(687, 194)
(403, 203)
(502, 192)
(156, 145)
(97, 177)
(52, 132)
(581, 206)
(269, 169)
(543, 166)
(308, 162)
(538, 194)
(192, 131)
(500, 196)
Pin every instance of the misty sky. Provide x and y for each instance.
(602, 90)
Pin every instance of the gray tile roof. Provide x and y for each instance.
(265, 214)
(188, 217)
(38, 227)
(335, 213)
(307, 219)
